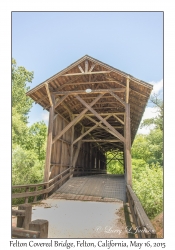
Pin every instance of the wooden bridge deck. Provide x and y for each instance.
(102, 187)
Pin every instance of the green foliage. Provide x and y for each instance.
(115, 165)
(158, 120)
(148, 186)
(147, 163)
(19, 128)
(21, 102)
(140, 148)
(26, 168)
(149, 147)
(36, 139)
(28, 143)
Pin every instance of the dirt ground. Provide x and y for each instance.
(158, 225)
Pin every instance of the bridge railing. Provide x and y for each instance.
(44, 188)
(144, 227)
(25, 228)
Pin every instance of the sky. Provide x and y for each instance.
(47, 42)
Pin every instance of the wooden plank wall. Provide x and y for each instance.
(60, 154)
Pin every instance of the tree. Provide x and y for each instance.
(21, 102)
(37, 139)
(28, 142)
(158, 120)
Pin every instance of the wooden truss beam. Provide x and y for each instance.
(60, 100)
(86, 66)
(100, 125)
(48, 94)
(77, 119)
(88, 131)
(93, 65)
(122, 122)
(117, 134)
(75, 92)
(84, 83)
(100, 140)
(80, 68)
(127, 146)
(49, 142)
(78, 150)
(127, 90)
(104, 114)
(87, 73)
(117, 97)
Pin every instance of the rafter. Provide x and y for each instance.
(48, 94)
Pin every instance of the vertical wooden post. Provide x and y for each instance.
(49, 141)
(41, 226)
(78, 150)
(24, 221)
(71, 146)
(127, 146)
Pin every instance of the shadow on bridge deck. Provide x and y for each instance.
(101, 187)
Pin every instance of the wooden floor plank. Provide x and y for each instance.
(103, 187)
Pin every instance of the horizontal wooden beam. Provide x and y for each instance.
(75, 92)
(87, 73)
(100, 140)
(103, 114)
(87, 127)
(83, 83)
(23, 233)
(18, 212)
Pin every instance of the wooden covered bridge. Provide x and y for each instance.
(93, 109)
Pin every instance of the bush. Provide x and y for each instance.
(148, 186)
(26, 168)
(115, 166)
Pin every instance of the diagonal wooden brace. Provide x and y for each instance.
(101, 119)
(77, 119)
(89, 130)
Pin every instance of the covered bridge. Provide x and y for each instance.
(93, 109)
